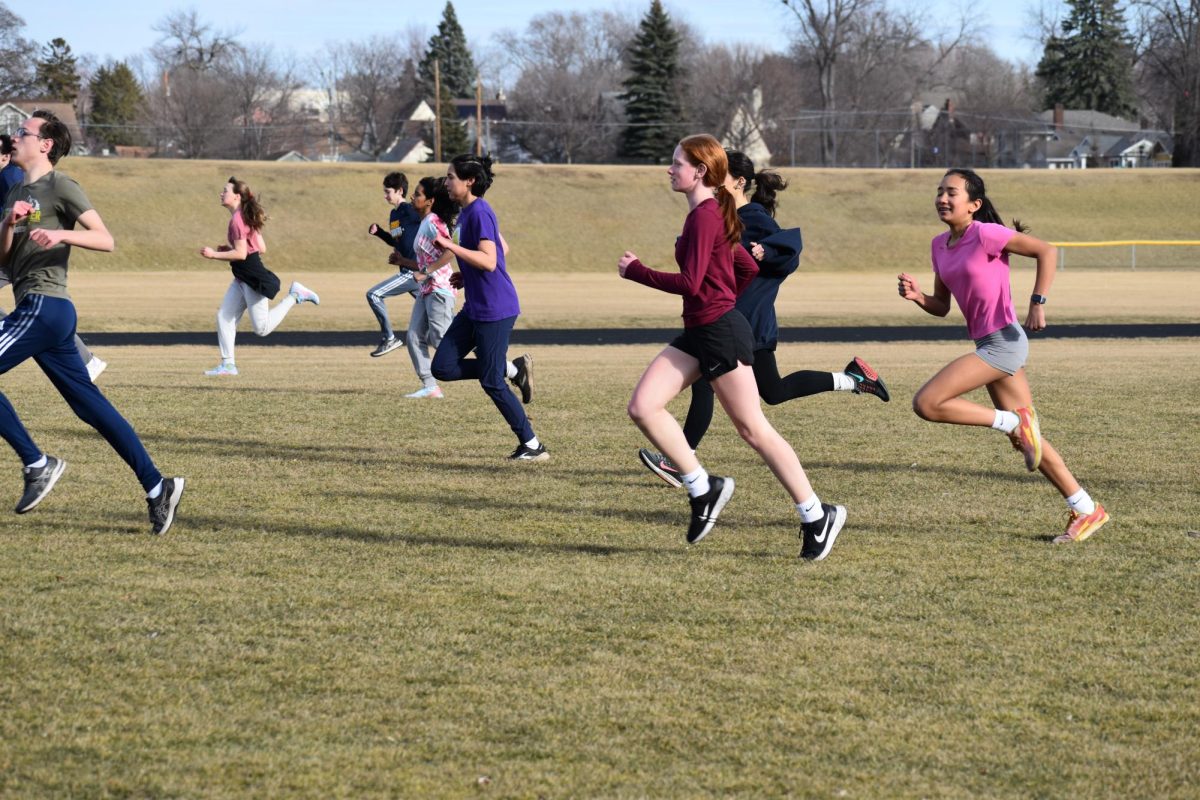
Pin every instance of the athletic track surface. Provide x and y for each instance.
(603, 336)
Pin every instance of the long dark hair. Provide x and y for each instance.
(766, 183)
(976, 191)
(705, 149)
(479, 168)
(445, 208)
(253, 214)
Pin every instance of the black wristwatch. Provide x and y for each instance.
(1040, 299)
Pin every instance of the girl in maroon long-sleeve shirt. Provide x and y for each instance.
(716, 343)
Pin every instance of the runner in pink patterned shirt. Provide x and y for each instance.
(433, 309)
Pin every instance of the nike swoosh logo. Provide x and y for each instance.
(824, 533)
(714, 368)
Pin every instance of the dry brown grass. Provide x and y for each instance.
(562, 219)
(181, 301)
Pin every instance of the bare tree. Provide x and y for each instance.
(191, 102)
(17, 56)
(824, 28)
(371, 83)
(185, 40)
(719, 80)
(261, 89)
(1169, 70)
(569, 71)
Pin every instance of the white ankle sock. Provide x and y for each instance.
(155, 492)
(810, 509)
(1081, 503)
(696, 482)
(41, 462)
(533, 444)
(510, 371)
(843, 382)
(1006, 421)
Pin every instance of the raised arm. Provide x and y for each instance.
(1047, 262)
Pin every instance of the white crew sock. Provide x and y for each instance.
(1006, 421)
(155, 492)
(533, 444)
(696, 482)
(843, 382)
(810, 509)
(41, 462)
(1081, 503)
(510, 371)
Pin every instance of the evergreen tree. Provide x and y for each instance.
(57, 75)
(1090, 66)
(449, 48)
(455, 141)
(652, 90)
(117, 103)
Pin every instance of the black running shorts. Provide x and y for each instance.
(719, 346)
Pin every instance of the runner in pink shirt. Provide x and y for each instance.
(970, 262)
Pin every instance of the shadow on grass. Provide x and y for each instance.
(484, 541)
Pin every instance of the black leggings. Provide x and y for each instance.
(771, 387)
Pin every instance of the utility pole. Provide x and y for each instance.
(478, 115)
(437, 111)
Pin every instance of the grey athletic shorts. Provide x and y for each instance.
(1006, 349)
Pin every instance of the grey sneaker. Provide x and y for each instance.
(386, 345)
(38, 483)
(523, 380)
(661, 466)
(162, 508)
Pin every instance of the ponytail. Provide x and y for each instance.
(766, 183)
(253, 214)
(729, 215)
(976, 191)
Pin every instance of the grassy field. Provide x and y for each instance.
(186, 301)
(361, 599)
(580, 219)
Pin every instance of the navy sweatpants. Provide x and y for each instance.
(489, 340)
(43, 328)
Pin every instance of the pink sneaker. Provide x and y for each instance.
(1081, 526)
(1028, 436)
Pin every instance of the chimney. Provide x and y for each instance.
(1058, 117)
(949, 109)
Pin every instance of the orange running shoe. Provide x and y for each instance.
(1029, 437)
(1081, 526)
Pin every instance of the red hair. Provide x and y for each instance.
(704, 149)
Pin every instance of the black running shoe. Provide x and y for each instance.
(818, 537)
(867, 379)
(661, 466)
(38, 483)
(707, 507)
(523, 380)
(162, 508)
(386, 345)
(525, 453)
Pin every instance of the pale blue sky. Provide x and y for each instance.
(105, 28)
